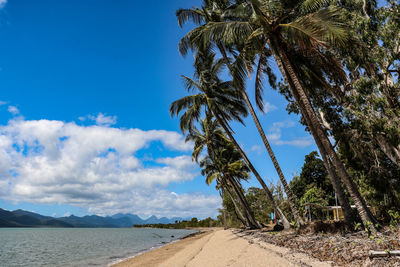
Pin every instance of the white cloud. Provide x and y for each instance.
(182, 162)
(13, 109)
(3, 3)
(2, 103)
(268, 107)
(275, 135)
(95, 167)
(101, 119)
(299, 142)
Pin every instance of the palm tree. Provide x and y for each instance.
(212, 12)
(221, 100)
(284, 26)
(211, 136)
(308, 32)
(223, 188)
(313, 74)
(226, 166)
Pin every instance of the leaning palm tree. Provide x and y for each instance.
(211, 137)
(283, 26)
(221, 100)
(225, 165)
(310, 30)
(212, 12)
(224, 188)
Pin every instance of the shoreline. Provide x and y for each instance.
(121, 262)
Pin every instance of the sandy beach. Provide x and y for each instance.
(218, 247)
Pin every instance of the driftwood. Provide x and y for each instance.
(384, 253)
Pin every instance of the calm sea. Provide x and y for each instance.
(78, 246)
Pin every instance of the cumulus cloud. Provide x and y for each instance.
(96, 167)
(275, 135)
(13, 110)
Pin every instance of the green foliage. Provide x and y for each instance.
(260, 205)
(193, 223)
(394, 217)
(314, 195)
(313, 185)
(357, 226)
(231, 219)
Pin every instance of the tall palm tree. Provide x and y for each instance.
(314, 29)
(221, 100)
(212, 12)
(313, 74)
(211, 136)
(282, 26)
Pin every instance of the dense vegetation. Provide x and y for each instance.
(339, 63)
(184, 224)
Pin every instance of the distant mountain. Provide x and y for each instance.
(152, 220)
(22, 218)
(134, 219)
(28, 213)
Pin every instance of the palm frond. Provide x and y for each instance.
(229, 32)
(308, 6)
(317, 29)
(195, 15)
(212, 177)
(240, 69)
(190, 84)
(237, 12)
(190, 41)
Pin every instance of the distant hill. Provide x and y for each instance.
(22, 218)
(134, 219)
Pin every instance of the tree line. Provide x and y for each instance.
(339, 63)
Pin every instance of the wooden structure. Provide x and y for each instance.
(329, 212)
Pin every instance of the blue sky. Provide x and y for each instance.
(84, 121)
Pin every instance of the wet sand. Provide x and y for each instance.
(158, 256)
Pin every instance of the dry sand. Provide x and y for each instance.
(221, 248)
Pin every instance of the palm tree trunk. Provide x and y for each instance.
(301, 97)
(249, 214)
(251, 221)
(337, 185)
(238, 213)
(266, 143)
(289, 194)
(285, 221)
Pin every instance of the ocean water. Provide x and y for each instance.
(78, 246)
